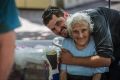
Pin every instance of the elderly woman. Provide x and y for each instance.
(81, 44)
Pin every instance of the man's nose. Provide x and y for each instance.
(58, 29)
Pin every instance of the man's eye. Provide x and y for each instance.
(58, 23)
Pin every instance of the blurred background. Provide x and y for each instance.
(33, 37)
(30, 12)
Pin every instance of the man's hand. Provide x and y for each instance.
(93, 61)
(66, 56)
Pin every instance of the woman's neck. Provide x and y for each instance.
(80, 47)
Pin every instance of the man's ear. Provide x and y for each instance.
(66, 14)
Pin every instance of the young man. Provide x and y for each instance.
(104, 31)
(8, 22)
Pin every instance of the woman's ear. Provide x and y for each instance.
(66, 14)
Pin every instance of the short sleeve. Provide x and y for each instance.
(101, 70)
(63, 67)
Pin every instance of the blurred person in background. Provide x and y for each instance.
(106, 33)
(8, 22)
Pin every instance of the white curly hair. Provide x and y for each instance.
(78, 18)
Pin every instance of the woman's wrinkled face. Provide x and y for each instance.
(81, 34)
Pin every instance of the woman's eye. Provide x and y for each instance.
(84, 30)
(75, 32)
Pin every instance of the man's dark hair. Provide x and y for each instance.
(47, 15)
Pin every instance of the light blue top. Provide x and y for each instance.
(88, 51)
(8, 16)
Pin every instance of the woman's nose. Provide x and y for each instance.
(80, 34)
